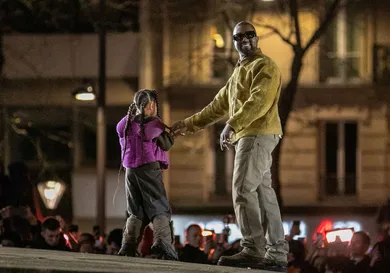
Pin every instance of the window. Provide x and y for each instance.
(340, 60)
(89, 139)
(223, 162)
(339, 158)
(41, 135)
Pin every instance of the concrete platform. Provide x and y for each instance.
(24, 260)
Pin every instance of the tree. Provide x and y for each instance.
(294, 40)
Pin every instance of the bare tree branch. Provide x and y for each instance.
(295, 18)
(226, 18)
(276, 31)
(329, 16)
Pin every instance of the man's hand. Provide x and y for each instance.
(226, 137)
(179, 128)
(208, 246)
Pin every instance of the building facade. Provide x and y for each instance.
(335, 153)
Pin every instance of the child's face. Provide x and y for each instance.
(151, 109)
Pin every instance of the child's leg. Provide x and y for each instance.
(157, 208)
(136, 221)
(164, 237)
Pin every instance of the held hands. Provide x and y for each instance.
(226, 137)
(179, 128)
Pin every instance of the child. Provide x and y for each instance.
(144, 143)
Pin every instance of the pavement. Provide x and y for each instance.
(25, 260)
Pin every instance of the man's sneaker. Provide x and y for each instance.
(164, 251)
(245, 260)
(128, 250)
(274, 265)
(239, 260)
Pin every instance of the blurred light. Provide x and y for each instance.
(84, 93)
(345, 235)
(267, 0)
(349, 224)
(217, 226)
(219, 42)
(85, 96)
(302, 227)
(51, 193)
(206, 233)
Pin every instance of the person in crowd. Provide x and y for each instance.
(192, 252)
(114, 240)
(51, 236)
(360, 243)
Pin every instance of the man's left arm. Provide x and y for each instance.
(264, 87)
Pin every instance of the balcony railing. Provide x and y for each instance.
(381, 64)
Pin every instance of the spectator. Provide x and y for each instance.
(51, 237)
(114, 242)
(10, 239)
(338, 264)
(87, 243)
(191, 252)
(296, 258)
(360, 243)
(145, 247)
(74, 236)
(3, 184)
(380, 256)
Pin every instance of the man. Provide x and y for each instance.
(191, 252)
(250, 100)
(360, 243)
(51, 237)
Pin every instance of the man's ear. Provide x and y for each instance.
(42, 233)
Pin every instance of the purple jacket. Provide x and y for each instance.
(132, 157)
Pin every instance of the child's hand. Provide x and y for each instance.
(179, 128)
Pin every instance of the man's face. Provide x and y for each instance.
(112, 249)
(357, 247)
(245, 40)
(194, 237)
(52, 237)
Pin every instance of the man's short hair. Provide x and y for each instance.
(246, 23)
(51, 224)
(365, 237)
(115, 236)
(192, 226)
(73, 228)
(87, 238)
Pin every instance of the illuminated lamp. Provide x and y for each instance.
(51, 193)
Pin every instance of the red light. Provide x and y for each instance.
(324, 226)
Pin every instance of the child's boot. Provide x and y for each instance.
(163, 238)
(131, 235)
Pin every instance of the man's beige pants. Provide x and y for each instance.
(254, 200)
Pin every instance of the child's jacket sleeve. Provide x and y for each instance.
(165, 141)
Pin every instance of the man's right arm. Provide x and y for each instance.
(213, 112)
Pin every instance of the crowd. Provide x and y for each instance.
(20, 227)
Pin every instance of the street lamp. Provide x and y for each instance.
(84, 93)
(51, 193)
(88, 94)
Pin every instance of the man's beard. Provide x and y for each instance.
(247, 50)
